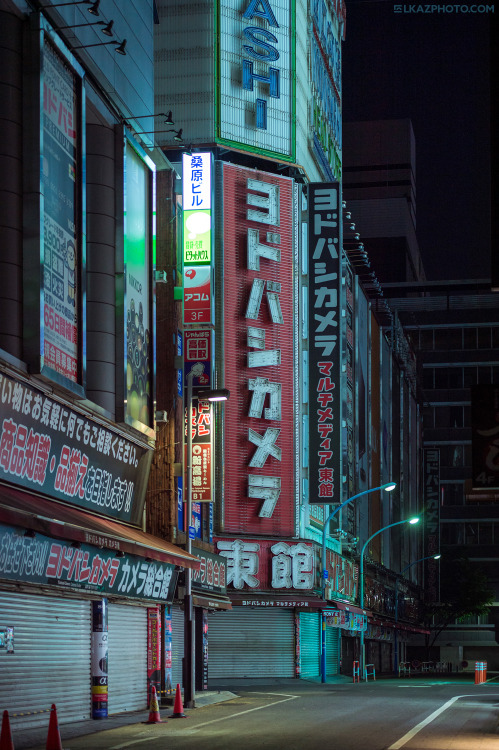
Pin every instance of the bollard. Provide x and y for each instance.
(356, 671)
(479, 671)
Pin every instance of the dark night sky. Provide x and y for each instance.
(433, 69)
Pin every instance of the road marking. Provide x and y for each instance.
(191, 730)
(412, 732)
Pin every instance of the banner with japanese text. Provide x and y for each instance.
(259, 352)
(49, 448)
(324, 315)
(43, 560)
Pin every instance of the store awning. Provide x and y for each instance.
(348, 607)
(208, 601)
(64, 522)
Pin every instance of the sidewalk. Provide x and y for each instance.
(27, 738)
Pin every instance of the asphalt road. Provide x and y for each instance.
(417, 714)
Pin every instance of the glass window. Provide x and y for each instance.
(455, 416)
(442, 417)
(428, 377)
(484, 338)
(426, 339)
(457, 455)
(484, 375)
(441, 377)
(452, 494)
(470, 376)
(455, 377)
(486, 532)
(469, 341)
(471, 533)
(467, 455)
(495, 337)
(428, 418)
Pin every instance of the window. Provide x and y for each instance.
(484, 375)
(484, 338)
(469, 340)
(470, 376)
(471, 533)
(426, 339)
(441, 377)
(486, 532)
(428, 379)
(452, 494)
(455, 416)
(455, 377)
(428, 418)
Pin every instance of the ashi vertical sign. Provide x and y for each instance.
(324, 242)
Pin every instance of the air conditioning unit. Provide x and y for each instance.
(161, 416)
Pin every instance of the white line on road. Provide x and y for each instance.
(195, 728)
(403, 740)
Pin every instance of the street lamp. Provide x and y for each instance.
(388, 487)
(221, 394)
(390, 525)
(399, 576)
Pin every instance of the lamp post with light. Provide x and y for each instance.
(221, 394)
(388, 487)
(361, 580)
(399, 576)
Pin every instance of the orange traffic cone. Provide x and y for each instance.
(53, 736)
(154, 717)
(178, 708)
(6, 735)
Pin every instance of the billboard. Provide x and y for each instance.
(259, 358)
(431, 478)
(325, 359)
(255, 76)
(485, 436)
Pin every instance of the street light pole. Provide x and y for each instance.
(388, 487)
(399, 576)
(361, 581)
(221, 394)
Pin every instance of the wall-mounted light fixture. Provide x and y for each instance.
(93, 10)
(168, 117)
(107, 30)
(120, 49)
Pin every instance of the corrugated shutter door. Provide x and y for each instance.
(310, 644)
(177, 646)
(127, 658)
(51, 659)
(251, 643)
(333, 650)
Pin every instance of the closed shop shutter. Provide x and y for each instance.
(51, 659)
(310, 644)
(333, 636)
(177, 646)
(251, 643)
(127, 658)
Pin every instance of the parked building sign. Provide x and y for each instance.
(49, 448)
(324, 314)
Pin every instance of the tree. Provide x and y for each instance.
(464, 591)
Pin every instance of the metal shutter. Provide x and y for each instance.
(333, 650)
(251, 643)
(310, 644)
(177, 646)
(127, 658)
(51, 659)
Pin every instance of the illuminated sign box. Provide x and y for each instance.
(196, 196)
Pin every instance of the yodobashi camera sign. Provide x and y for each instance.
(255, 82)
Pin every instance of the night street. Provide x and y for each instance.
(416, 714)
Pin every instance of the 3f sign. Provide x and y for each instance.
(259, 47)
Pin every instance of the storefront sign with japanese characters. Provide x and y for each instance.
(343, 577)
(324, 314)
(49, 448)
(259, 358)
(266, 564)
(196, 204)
(339, 618)
(61, 178)
(431, 468)
(202, 491)
(43, 560)
(212, 574)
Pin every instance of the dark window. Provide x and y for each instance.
(471, 533)
(428, 418)
(456, 416)
(441, 377)
(495, 337)
(428, 377)
(455, 377)
(470, 376)
(484, 338)
(453, 494)
(426, 339)
(469, 338)
(484, 375)
(486, 532)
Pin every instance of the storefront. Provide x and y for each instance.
(57, 564)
